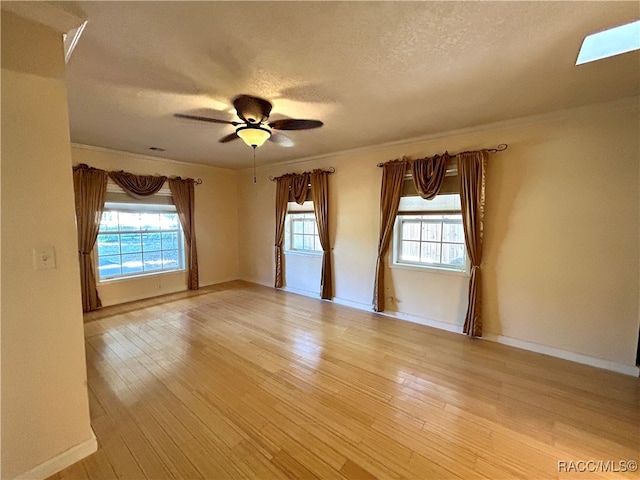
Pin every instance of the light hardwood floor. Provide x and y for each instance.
(243, 381)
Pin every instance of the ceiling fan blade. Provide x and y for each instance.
(205, 119)
(228, 138)
(295, 124)
(281, 139)
(252, 109)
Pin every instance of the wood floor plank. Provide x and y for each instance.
(355, 472)
(242, 381)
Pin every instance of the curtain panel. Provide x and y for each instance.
(282, 199)
(90, 189)
(183, 192)
(392, 180)
(320, 197)
(138, 186)
(471, 175)
(428, 175)
(300, 187)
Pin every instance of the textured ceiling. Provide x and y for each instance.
(374, 72)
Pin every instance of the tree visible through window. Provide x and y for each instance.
(146, 240)
(429, 233)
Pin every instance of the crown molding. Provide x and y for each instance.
(46, 13)
(628, 103)
(140, 156)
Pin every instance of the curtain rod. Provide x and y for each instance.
(330, 170)
(500, 148)
(196, 181)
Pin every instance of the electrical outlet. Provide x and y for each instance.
(44, 258)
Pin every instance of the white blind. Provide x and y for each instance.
(116, 194)
(442, 203)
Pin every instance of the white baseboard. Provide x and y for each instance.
(513, 342)
(217, 281)
(300, 291)
(429, 322)
(62, 461)
(134, 298)
(565, 354)
(352, 304)
(160, 293)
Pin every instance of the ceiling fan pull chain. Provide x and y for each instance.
(254, 164)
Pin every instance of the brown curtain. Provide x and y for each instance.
(90, 188)
(183, 193)
(299, 187)
(282, 198)
(138, 186)
(471, 175)
(320, 197)
(392, 180)
(428, 175)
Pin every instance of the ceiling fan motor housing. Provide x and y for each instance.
(254, 129)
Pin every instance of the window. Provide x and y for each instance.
(429, 233)
(138, 239)
(301, 230)
(303, 233)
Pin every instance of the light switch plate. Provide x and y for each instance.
(44, 258)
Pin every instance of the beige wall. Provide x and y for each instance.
(216, 223)
(45, 409)
(561, 253)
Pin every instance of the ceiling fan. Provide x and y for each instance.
(254, 129)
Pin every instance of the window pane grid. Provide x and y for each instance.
(431, 240)
(134, 243)
(304, 232)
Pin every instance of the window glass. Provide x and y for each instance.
(138, 239)
(429, 233)
(301, 231)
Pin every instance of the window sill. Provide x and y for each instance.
(107, 281)
(427, 269)
(303, 253)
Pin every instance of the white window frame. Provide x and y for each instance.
(421, 216)
(296, 211)
(141, 208)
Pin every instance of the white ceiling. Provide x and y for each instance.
(373, 72)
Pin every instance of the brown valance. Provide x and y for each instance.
(428, 174)
(138, 186)
(299, 187)
(427, 177)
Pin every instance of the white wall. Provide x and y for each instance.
(216, 222)
(45, 411)
(562, 226)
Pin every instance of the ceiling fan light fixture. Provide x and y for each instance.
(254, 135)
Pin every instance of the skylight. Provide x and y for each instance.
(608, 43)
